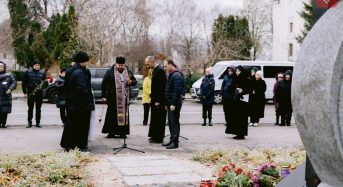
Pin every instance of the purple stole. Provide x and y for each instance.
(122, 89)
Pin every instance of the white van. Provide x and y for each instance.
(269, 68)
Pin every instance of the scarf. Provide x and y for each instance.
(122, 90)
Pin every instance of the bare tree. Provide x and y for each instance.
(6, 37)
(260, 26)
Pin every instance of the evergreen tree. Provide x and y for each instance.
(232, 32)
(40, 51)
(20, 24)
(307, 15)
(66, 42)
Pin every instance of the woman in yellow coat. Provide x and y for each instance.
(146, 96)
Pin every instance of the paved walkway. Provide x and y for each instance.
(158, 171)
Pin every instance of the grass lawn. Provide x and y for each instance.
(45, 169)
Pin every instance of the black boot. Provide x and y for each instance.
(173, 145)
(283, 120)
(3, 126)
(209, 122)
(288, 120)
(29, 125)
(277, 120)
(204, 124)
(38, 125)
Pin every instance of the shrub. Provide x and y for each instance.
(191, 80)
(18, 75)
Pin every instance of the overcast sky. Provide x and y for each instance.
(208, 4)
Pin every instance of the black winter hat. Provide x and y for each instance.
(120, 60)
(80, 57)
(36, 61)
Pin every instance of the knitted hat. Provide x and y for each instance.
(80, 57)
(36, 61)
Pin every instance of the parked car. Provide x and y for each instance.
(269, 68)
(97, 74)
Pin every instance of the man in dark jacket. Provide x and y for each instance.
(158, 112)
(33, 84)
(174, 93)
(7, 84)
(207, 96)
(115, 92)
(79, 103)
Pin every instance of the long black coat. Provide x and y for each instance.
(257, 100)
(158, 85)
(207, 90)
(108, 90)
(239, 112)
(158, 114)
(283, 97)
(7, 81)
(79, 104)
(79, 96)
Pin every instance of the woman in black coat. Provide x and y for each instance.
(207, 96)
(239, 118)
(7, 84)
(283, 98)
(257, 99)
(228, 90)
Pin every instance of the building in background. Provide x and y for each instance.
(287, 25)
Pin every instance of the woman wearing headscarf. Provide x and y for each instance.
(283, 98)
(257, 99)
(279, 77)
(239, 118)
(228, 93)
(8, 84)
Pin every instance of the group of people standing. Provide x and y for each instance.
(34, 81)
(243, 96)
(163, 90)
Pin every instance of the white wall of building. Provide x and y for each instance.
(285, 13)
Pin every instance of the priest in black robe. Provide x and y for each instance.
(115, 89)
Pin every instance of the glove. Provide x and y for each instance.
(8, 91)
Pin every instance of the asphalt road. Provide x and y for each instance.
(191, 113)
(17, 138)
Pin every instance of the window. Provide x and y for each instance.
(291, 27)
(290, 50)
(100, 73)
(272, 71)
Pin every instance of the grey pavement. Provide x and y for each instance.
(190, 113)
(158, 171)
